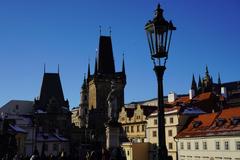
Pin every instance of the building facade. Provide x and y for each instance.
(95, 89)
(212, 136)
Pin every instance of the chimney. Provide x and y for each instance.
(224, 92)
(191, 93)
(171, 97)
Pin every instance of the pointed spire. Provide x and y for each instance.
(199, 82)
(95, 71)
(219, 78)
(207, 70)
(89, 71)
(84, 85)
(123, 65)
(194, 84)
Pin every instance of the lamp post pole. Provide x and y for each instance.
(159, 33)
(162, 149)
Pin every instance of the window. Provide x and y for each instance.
(217, 145)
(55, 147)
(127, 129)
(155, 121)
(143, 128)
(226, 145)
(205, 145)
(132, 129)
(138, 128)
(169, 132)
(154, 133)
(181, 145)
(170, 146)
(171, 120)
(196, 146)
(188, 145)
(238, 145)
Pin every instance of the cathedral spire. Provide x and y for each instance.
(89, 71)
(194, 84)
(96, 67)
(84, 85)
(207, 70)
(219, 78)
(199, 83)
(123, 65)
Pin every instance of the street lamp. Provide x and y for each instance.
(159, 33)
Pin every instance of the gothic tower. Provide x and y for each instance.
(99, 86)
(51, 109)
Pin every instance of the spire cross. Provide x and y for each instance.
(110, 30)
(44, 68)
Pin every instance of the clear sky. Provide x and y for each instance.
(66, 32)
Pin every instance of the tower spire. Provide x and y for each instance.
(199, 84)
(89, 72)
(123, 65)
(194, 85)
(207, 70)
(219, 78)
(95, 71)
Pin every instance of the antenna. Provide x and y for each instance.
(58, 68)
(100, 30)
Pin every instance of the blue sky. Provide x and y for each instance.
(66, 32)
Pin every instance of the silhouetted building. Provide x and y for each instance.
(97, 86)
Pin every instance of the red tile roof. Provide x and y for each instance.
(212, 124)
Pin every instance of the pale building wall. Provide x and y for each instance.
(134, 127)
(209, 153)
(75, 117)
(173, 124)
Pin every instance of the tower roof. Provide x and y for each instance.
(105, 62)
(51, 87)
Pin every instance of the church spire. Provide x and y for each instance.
(194, 84)
(219, 78)
(96, 67)
(199, 84)
(89, 71)
(207, 70)
(84, 85)
(123, 65)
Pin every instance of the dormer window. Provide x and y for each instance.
(235, 120)
(196, 124)
(220, 121)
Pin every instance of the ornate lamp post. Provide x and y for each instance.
(159, 33)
